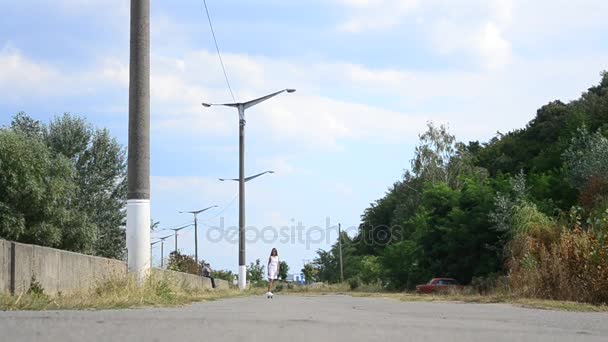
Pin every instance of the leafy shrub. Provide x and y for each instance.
(492, 283)
(255, 274)
(223, 274)
(183, 263)
(35, 287)
(354, 283)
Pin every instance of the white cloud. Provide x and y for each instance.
(477, 103)
(493, 47)
(472, 27)
(375, 14)
(22, 78)
(182, 191)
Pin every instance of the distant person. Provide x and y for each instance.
(207, 273)
(273, 269)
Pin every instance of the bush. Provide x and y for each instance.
(35, 288)
(574, 267)
(354, 283)
(184, 263)
(490, 284)
(226, 275)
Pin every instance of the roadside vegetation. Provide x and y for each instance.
(115, 294)
(524, 214)
(62, 185)
(180, 262)
(466, 296)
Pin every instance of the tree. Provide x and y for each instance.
(587, 158)
(85, 184)
(184, 263)
(283, 270)
(223, 274)
(310, 273)
(433, 154)
(100, 164)
(255, 273)
(29, 127)
(37, 190)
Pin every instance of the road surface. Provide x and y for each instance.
(294, 318)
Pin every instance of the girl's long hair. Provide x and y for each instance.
(274, 250)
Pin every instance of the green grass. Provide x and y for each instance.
(117, 294)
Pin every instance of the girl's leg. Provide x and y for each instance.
(269, 284)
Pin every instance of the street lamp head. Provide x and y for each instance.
(206, 104)
(290, 90)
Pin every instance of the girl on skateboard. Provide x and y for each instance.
(273, 270)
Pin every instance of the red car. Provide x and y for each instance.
(438, 285)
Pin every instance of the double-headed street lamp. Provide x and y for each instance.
(247, 179)
(241, 109)
(196, 212)
(175, 230)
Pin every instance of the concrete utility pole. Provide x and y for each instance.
(138, 178)
(241, 108)
(340, 246)
(196, 212)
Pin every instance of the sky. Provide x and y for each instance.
(369, 75)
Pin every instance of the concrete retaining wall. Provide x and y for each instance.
(189, 281)
(65, 272)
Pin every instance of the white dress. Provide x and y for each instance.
(273, 268)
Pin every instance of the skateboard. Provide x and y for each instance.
(270, 296)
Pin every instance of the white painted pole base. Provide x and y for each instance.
(242, 277)
(138, 238)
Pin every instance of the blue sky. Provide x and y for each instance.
(369, 74)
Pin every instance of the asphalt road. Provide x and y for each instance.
(308, 318)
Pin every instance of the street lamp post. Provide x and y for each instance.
(151, 245)
(196, 212)
(162, 250)
(175, 230)
(241, 107)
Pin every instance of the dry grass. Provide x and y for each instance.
(117, 294)
(456, 297)
(122, 294)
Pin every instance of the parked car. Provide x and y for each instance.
(439, 285)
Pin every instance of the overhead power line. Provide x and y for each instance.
(218, 51)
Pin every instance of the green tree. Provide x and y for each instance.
(255, 273)
(31, 128)
(283, 270)
(37, 190)
(587, 158)
(223, 274)
(433, 154)
(310, 273)
(100, 164)
(91, 165)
